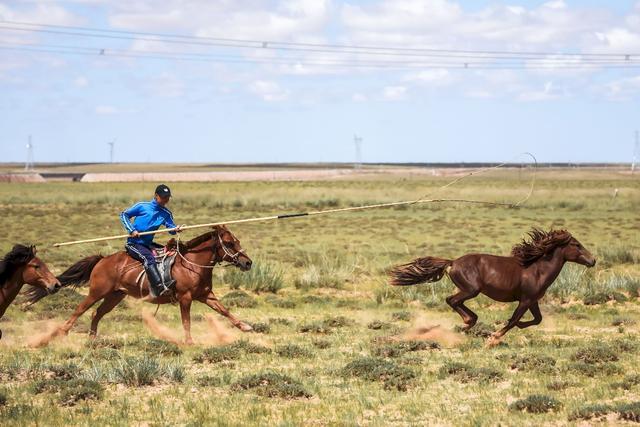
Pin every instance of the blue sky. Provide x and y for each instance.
(186, 111)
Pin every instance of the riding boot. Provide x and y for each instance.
(156, 287)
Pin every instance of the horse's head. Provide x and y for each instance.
(34, 271)
(229, 249)
(575, 252)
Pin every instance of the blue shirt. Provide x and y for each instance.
(147, 216)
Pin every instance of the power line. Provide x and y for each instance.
(303, 47)
(274, 44)
(105, 53)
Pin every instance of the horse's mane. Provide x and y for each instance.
(18, 256)
(541, 244)
(196, 241)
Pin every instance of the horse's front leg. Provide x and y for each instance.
(212, 301)
(185, 313)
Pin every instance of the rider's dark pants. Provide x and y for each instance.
(141, 253)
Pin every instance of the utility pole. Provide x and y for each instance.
(357, 141)
(111, 144)
(29, 164)
(636, 152)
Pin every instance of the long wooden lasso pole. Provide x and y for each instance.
(422, 200)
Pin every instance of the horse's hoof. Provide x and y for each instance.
(188, 341)
(493, 340)
(245, 327)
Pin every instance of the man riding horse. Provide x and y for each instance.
(149, 216)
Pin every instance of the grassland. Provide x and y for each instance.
(326, 353)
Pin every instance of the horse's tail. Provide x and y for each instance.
(421, 270)
(76, 275)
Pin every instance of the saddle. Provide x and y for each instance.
(165, 258)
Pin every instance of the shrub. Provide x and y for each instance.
(629, 411)
(466, 373)
(479, 330)
(533, 362)
(590, 411)
(401, 315)
(263, 277)
(324, 271)
(536, 404)
(314, 327)
(137, 371)
(238, 298)
(272, 384)
(218, 354)
(399, 348)
(292, 351)
(382, 370)
(261, 328)
(76, 390)
(377, 325)
(249, 347)
(159, 347)
(594, 354)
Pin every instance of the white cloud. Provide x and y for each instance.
(269, 91)
(545, 94)
(81, 81)
(433, 77)
(109, 110)
(394, 93)
(106, 110)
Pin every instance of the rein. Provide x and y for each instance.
(227, 253)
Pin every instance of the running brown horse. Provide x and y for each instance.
(525, 276)
(114, 277)
(20, 266)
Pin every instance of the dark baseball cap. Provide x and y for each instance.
(163, 191)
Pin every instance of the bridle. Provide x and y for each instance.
(232, 257)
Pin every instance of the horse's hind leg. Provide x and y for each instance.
(457, 303)
(108, 304)
(82, 307)
(212, 301)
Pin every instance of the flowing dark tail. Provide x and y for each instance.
(76, 275)
(421, 270)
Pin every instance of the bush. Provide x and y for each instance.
(71, 391)
(137, 371)
(272, 384)
(337, 322)
(479, 330)
(238, 298)
(629, 411)
(314, 327)
(159, 347)
(533, 362)
(592, 370)
(218, 354)
(401, 315)
(281, 302)
(292, 351)
(536, 404)
(399, 348)
(377, 325)
(263, 277)
(628, 382)
(594, 354)
(3, 398)
(261, 328)
(324, 271)
(376, 369)
(590, 411)
(321, 344)
(249, 347)
(76, 390)
(105, 342)
(466, 373)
